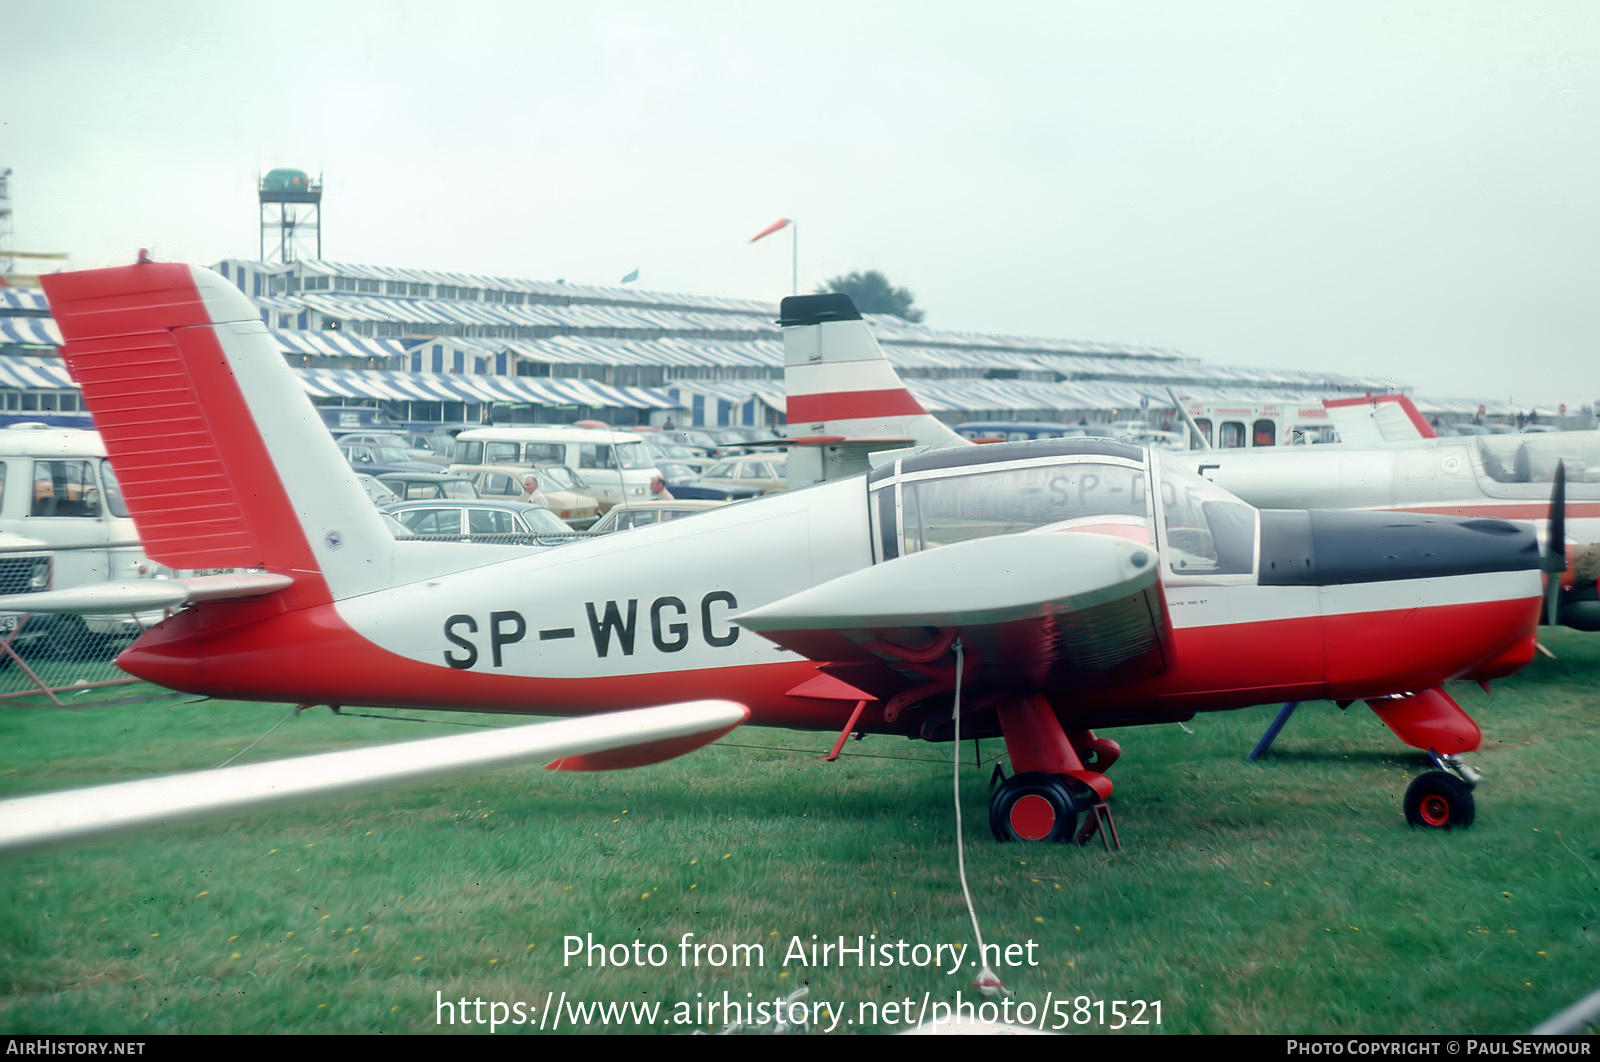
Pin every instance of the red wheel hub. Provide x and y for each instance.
(1032, 817)
(1435, 810)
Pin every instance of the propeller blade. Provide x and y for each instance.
(1555, 545)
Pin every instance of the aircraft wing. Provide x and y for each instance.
(1039, 611)
(617, 739)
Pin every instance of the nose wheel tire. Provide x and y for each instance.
(1439, 801)
(1033, 807)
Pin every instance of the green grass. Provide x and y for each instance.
(1287, 896)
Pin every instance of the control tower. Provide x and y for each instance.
(291, 213)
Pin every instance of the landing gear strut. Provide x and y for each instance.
(1057, 776)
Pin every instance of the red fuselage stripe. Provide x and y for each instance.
(313, 656)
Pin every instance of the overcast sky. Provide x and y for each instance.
(1404, 190)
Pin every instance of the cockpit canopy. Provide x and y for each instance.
(1061, 485)
(1533, 458)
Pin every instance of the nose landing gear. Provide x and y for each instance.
(1058, 775)
(1442, 799)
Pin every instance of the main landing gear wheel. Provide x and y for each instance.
(1439, 801)
(1033, 807)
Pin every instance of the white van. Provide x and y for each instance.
(57, 489)
(614, 464)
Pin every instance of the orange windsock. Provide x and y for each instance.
(770, 229)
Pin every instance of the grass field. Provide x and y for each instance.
(1287, 896)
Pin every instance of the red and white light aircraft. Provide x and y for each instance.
(1040, 589)
(846, 402)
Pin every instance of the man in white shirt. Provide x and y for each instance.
(531, 493)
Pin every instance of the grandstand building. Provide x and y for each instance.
(450, 347)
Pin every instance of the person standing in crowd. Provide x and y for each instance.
(658, 490)
(531, 492)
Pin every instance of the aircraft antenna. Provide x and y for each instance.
(988, 981)
(1194, 429)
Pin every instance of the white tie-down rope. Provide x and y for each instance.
(988, 981)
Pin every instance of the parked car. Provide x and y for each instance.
(678, 453)
(738, 438)
(377, 491)
(643, 514)
(614, 464)
(481, 517)
(426, 486)
(354, 418)
(683, 482)
(695, 437)
(415, 446)
(435, 447)
(375, 459)
(566, 494)
(764, 471)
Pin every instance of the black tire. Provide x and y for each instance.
(1033, 807)
(1439, 801)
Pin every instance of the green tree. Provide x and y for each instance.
(872, 293)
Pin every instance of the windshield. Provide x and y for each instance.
(114, 500)
(544, 521)
(1207, 530)
(1533, 458)
(562, 477)
(629, 455)
(675, 473)
(1087, 493)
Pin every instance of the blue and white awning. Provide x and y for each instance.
(329, 344)
(20, 299)
(34, 374)
(453, 387)
(30, 331)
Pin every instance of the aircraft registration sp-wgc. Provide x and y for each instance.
(1072, 584)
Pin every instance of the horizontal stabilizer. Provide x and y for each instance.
(29, 824)
(146, 595)
(1377, 421)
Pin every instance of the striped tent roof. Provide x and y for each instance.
(336, 344)
(30, 373)
(19, 299)
(462, 387)
(30, 331)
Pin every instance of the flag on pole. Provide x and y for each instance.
(770, 229)
(631, 277)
